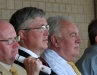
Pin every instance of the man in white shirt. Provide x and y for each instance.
(8, 50)
(63, 47)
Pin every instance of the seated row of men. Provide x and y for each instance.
(53, 42)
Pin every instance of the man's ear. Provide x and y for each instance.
(54, 40)
(96, 39)
(21, 33)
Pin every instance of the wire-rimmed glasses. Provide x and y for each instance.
(11, 40)
(42, 28)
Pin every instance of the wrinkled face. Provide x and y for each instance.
(69, 42)
(8, 51)
(35, 39)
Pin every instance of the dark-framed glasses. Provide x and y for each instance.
(11, 40)
(42, 28)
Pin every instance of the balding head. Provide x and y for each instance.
(5, 26)
(7, 51)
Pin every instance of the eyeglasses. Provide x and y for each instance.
(11, 40)
(42, 28)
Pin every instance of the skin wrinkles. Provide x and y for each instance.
(8, 32)
(68, 44)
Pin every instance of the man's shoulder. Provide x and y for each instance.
(23, 53)
(4, 71)
(90, 52)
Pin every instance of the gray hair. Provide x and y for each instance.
(24, 17)
(54, 24)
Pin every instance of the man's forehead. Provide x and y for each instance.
(39, 21)
(7, 31)
(70, 29)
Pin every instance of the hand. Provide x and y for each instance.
(32, 65)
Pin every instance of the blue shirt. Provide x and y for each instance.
(87, 64)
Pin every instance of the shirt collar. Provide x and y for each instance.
(28, 51)
(5, 65)
(50, 52)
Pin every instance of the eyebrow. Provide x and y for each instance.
(72, 33)
(43, 24)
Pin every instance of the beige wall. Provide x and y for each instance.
(81, 11)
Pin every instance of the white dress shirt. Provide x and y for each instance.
(28, 51)
(57, 63)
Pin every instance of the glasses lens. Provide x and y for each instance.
(10, 41)
(17, 38)
(47, 27)
(43, 28)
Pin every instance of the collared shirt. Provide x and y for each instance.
(5, 65)
(29, 52)
(87, 64)
(57, 63)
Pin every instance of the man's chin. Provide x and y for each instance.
(76, 55)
